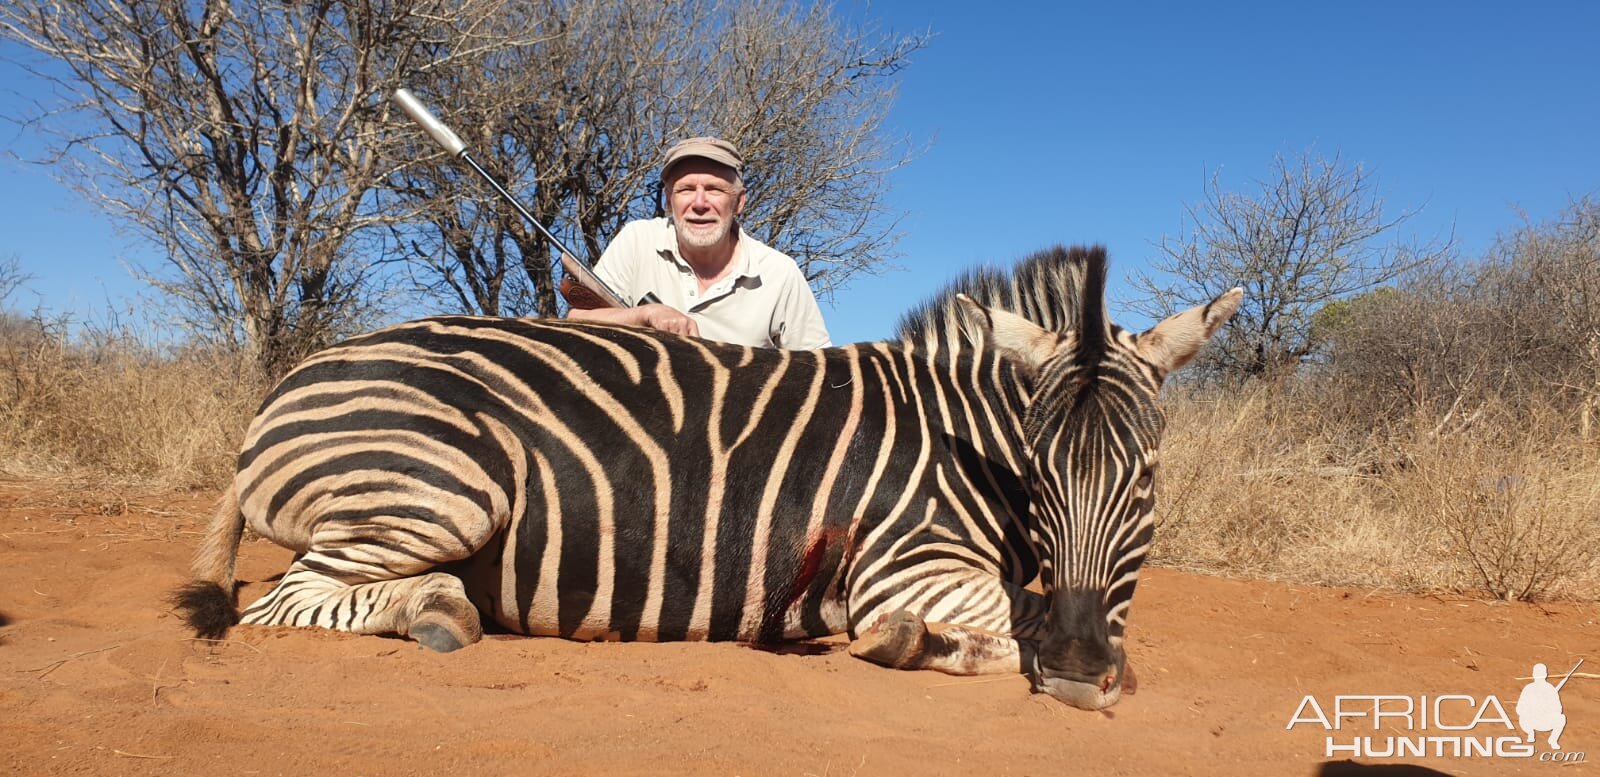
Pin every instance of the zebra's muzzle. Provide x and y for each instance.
(1077, 661)
(1089, 693)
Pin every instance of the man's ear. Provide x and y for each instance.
(1024, 341)
(1172, 343)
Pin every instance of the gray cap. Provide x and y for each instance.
(715, 149)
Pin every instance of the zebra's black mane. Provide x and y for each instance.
(1059, 289)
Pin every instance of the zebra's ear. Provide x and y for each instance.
(1018, 337)
(1172, 343)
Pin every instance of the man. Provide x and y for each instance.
(714, 280)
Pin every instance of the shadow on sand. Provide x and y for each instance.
(1353, 769)
(800, 648)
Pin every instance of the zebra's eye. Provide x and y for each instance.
(1146, 477)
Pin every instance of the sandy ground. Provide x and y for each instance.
(97, 677)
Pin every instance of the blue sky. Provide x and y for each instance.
(1064, 122)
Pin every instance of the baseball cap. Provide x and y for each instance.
(715, 149)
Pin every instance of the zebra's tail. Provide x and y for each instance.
(206, 603)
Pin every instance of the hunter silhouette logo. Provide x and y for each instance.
(1447, 725)
(1539, 706)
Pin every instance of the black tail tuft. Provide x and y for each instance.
(206, 607)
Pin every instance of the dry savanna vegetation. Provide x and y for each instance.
(1442, 433)
(106, 404)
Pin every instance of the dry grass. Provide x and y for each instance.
(108, 405)
(1265, 483)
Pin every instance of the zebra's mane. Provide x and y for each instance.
(1059, 289)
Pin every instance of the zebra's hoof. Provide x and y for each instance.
(435, 637)
(896, 640)
(438, 631)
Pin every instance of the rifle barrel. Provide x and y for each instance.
(452, 143)
(1569, 674)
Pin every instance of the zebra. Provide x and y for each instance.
(597, 482)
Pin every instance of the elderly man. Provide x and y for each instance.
(713, 278)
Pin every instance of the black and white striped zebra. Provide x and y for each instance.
(598, 482)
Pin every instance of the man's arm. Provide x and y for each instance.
(659, 317)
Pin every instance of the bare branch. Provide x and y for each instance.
(11, 277)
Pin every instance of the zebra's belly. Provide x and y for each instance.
(664, 607)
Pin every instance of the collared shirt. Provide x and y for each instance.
(763, 301)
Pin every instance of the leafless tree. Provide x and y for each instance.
(242, 139)
(1314, 232)
(576, 121)
(11, 277)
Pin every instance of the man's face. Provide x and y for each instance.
(705, 198)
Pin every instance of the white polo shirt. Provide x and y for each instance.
(765, 301)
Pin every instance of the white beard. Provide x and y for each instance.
(704, 238)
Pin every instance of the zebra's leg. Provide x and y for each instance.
(902, 640)
(964, 623)
(375, 579)
(432, 609)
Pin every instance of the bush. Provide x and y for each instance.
(1519, 329)
(1518, 513)
(1283, 481)
(108, 403)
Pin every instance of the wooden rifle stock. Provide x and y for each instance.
(579, 294)
(581, 297)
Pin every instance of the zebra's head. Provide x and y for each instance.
(1091, 429)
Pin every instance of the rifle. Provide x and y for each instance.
(579, 285)
(1569, 675)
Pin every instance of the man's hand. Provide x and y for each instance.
(667, 319)
(657, 316)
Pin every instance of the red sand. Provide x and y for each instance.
(98, 677)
